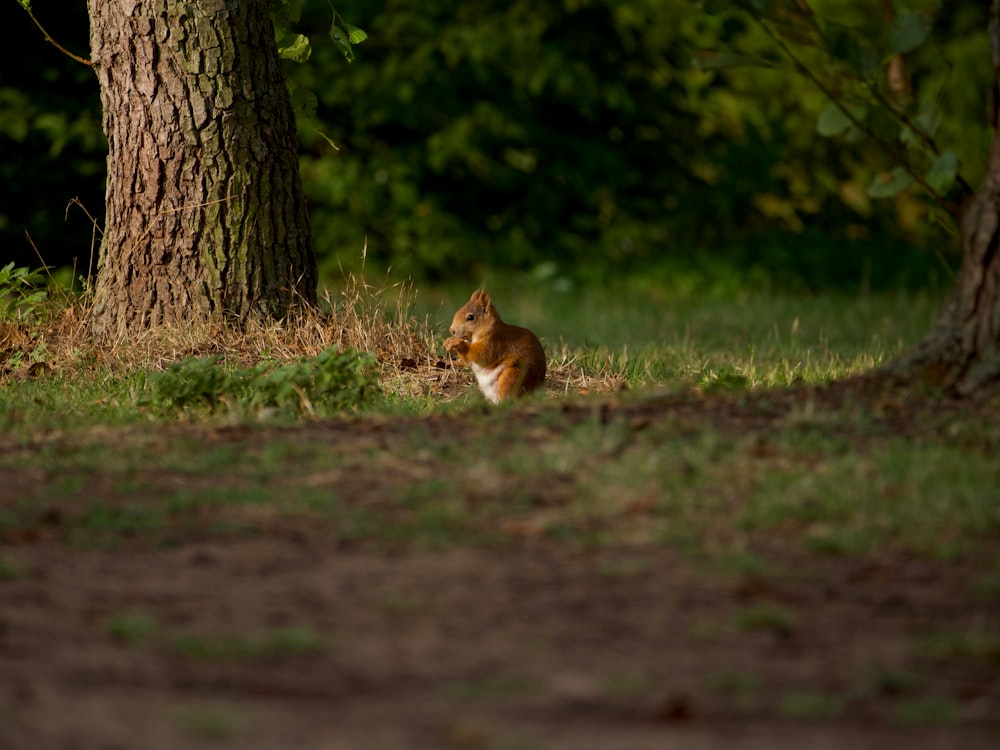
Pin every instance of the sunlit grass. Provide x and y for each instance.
(690, 484)
(597, 339)
(929, 498)
(683, 482)
(645, 336)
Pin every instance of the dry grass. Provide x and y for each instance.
(567, 374)
(359, 316)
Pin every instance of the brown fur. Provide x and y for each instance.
(508, 360)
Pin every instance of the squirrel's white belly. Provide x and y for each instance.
(487, 378)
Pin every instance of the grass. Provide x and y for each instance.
(975, 644)
(642, 336)
(675, 425)
(681, 483)
(208, 722)
(929, 498)
(137, 628)
(120, 443)
(279, 643)
(597, 340)
(765, 616)
(132, 628)
(927, 710)
(10, 569)
(810, 705)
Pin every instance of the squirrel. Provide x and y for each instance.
(508, 361)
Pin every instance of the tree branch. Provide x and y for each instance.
(48, 37)
(922, 136)
(994, 30)
(891, 151)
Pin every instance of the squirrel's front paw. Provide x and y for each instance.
(456, 345)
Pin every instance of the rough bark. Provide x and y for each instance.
(962, 350)
(205, 219)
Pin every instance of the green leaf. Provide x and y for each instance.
(295, 47)
(927, 122)
(908, 32)
(26, 4)
(345, 36)
(889, 184)
(941, 176)
(342, 41)
(19, 292)
(851, 47)
(355, 34)
(854, 136)
(833, 120)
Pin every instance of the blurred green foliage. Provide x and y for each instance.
(475, 135)
(21, 291)
(578, 137)
(52, 148)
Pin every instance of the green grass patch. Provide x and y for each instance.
(742, 691)
(886, 682)
(120, 521)
(765, 616)
(11, 569)
(738, 684)
(280, 643)
(988, 587)
(37, 406)
(205, 722)
(741, 564)
(930, 498)
(974, 644)
(812, 705)
(328, 383)
(926, 710)
(133, 628)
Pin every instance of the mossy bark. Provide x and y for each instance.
(205, 218)
(961, 353)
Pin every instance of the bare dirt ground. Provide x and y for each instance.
(532, 644)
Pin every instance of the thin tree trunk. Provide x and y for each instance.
(962, 350)
(205, 218)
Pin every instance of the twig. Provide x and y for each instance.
(48, 37)
(927, 141)
(884, 145)
(95, 230)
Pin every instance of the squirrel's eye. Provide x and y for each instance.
(470, 317)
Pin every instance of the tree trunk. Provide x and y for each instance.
(962, 350)
(205, 218)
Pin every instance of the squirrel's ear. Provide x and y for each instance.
(484, 300)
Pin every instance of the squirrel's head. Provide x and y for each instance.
(475, 317)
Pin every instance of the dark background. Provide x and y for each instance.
(574, 139)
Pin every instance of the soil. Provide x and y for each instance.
(532, 644)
